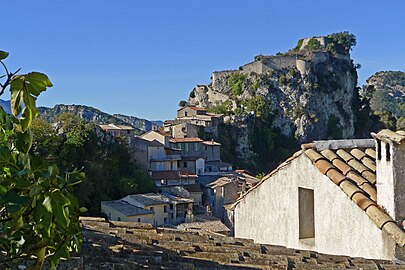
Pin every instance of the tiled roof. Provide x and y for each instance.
(131, 245)
(126, 208)
(153, 143)
(193, 188)
(350, 164)
(158, 175)
(149, 198)
(206, 223)
(354, 171)
(179, 140)
(211, 143)
(115, 127)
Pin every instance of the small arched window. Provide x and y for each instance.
(378, 150)
(387, 152)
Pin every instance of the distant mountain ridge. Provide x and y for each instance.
(94, 115)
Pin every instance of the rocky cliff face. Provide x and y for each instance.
(94, 115)
(383, 99)
(303, 95)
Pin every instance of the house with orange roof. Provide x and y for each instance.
(341, 197)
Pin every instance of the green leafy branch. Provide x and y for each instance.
(38, 212)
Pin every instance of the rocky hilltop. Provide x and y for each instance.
(94, 115)
(383, 99)
(275, 102)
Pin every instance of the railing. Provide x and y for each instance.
(167, 157)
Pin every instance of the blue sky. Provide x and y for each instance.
(142, 57)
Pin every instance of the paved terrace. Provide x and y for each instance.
(124, 245)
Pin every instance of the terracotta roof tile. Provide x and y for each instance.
(335, 176)
(324, 166)
(342, 166)
(369, 176)
(329, 154)
(356, 178)
(362, 200)
(378, 216)
(370, 190)
(344, 155)
(349, 188)
(369, 163)
(176, 140)
(357, 153)
(357, 166)
(313, 155)
(132, 245)
(397, 233)
(370, 152)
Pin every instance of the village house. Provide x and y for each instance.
(153, 155)
(190, 120)
(153, 208)
(121, 210)
(120, 132)
(342, 197)
(224, 192)
(157, 135)
(173, 178)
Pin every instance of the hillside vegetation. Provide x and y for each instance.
(274, 103)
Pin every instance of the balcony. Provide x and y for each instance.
(166, 158)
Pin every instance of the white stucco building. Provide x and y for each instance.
(344, 197)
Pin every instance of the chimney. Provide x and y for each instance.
(390, 161)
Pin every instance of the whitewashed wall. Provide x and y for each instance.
(269, 215)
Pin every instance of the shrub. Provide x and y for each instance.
(182, 103)
(343, 39)
(236, 83)
(282, 80)
(223, 108)
(313, 45)
(299, 44)
(256, 85)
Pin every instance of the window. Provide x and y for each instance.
(378, 149)
(185, 164)
(139, 220)
(387, 152)
(185, 113)
(152, 209)
(186, 147)
(306, 213)
(165, 220)
(171, 207)
(119, 219)
(165, 208)
(163, 182)
(196, 148)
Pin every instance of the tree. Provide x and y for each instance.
(313, 44)
(38, 213)
(182, 103)
(343, 39)
(110, 172)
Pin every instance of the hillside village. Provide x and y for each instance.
(333, 197)
(199, 192)
(195, 188)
